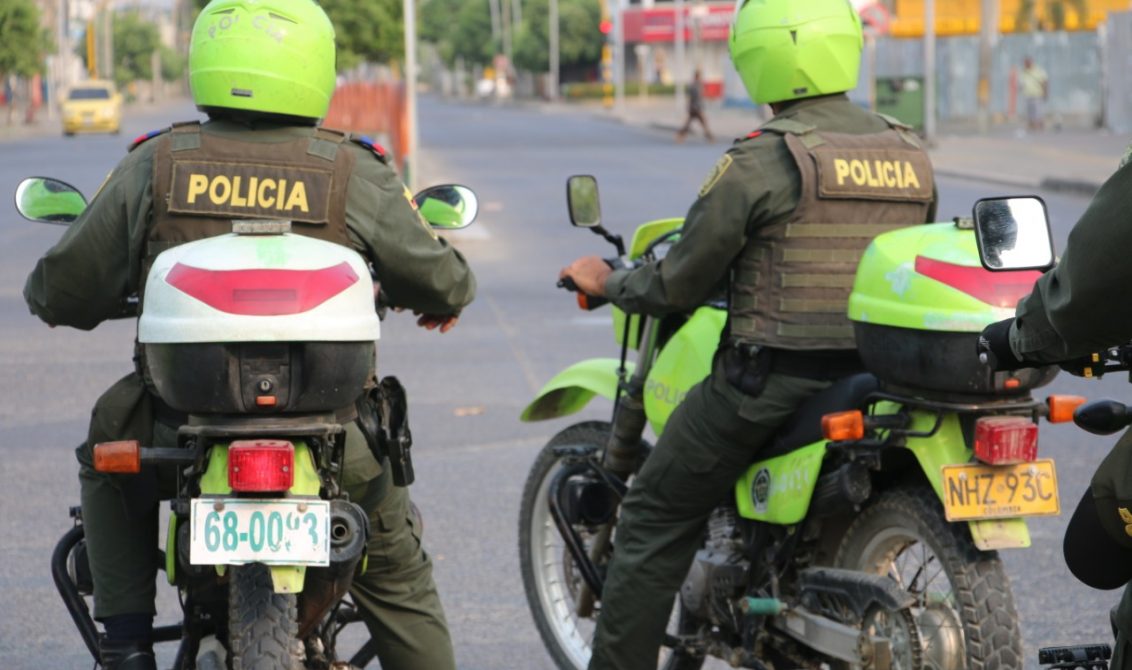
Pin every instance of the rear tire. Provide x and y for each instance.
(965, 609)
(262, 625)
(550, 579)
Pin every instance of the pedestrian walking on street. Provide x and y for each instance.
(1034, 83)
(695, 93)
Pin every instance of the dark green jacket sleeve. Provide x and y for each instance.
(417, 269)
(715, 231)
(1077, 307)
(84, 279)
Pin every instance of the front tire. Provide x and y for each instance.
(550, 578)
(965, 609)
(262, 625)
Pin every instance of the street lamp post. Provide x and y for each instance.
(552, 84)
(929, 72)
(679, 77)
(410, 14)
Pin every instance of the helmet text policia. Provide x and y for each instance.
(270, 56)
(790, 49)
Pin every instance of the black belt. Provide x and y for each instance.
(824, 365)
(820, 364)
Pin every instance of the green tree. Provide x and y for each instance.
(1056, 13)
(22, 41)
(579, 35)
(460, 29)
(135, 40)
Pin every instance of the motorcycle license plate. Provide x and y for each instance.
(976, 491)
(234, 531)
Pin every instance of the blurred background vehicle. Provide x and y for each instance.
(92, 106)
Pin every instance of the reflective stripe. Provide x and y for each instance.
(817, 281)
(838, 229)
(821, 255)
(813, 306)
(820, 332)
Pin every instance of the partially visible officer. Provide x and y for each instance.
(782, 221)
(1076, 309)
(264, 72)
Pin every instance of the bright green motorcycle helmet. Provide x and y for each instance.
(270, 56)
(790, 49)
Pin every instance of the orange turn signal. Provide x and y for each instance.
(118, 457)
(843, 426)
(1061, 407)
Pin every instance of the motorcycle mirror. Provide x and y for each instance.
(49, 200)
(582, 201)
(448, 206)
(1103, 417)
(1013, 233)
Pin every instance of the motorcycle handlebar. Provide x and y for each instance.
(585, 301)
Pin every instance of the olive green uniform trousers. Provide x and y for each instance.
(709, 441)
(396, 596)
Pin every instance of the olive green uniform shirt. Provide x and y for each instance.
(1075, 309)
(82, 280)
(760, 187)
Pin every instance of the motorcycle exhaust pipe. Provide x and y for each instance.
(324, 587)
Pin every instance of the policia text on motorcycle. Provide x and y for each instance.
(261, 154)
(781, 222)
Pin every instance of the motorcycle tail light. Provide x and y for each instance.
(119, 457)
(843, 426)
(256, 466)
(1061, 407)
(1001, 440)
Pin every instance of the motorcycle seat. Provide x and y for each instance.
(804, 426)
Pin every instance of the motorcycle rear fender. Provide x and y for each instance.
(573, 388)
(214, 482)
(778, 490)
(947, 447)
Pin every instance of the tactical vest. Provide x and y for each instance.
(202, 182)
(791, 283)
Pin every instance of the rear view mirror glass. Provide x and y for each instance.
(49, 200)
(448, 207)
(582, 200)
(1013, 233)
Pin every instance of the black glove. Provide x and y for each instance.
(994, 347)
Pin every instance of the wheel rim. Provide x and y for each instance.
(901, 630)
(905, 556)
(556, 582)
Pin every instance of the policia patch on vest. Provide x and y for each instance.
(873, 174)
(716, 174)
(250, 190)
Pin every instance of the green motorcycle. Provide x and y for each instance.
(866, 534)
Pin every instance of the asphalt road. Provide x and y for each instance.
(467, 387)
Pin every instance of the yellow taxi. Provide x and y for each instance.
(92, 106)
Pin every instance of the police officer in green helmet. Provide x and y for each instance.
(780, 223)
(264, 72)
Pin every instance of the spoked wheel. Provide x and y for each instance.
(262, 624)
(964, 612)
(551, 577)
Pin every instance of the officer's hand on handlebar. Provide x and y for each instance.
(994, 347)
(588, 275)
